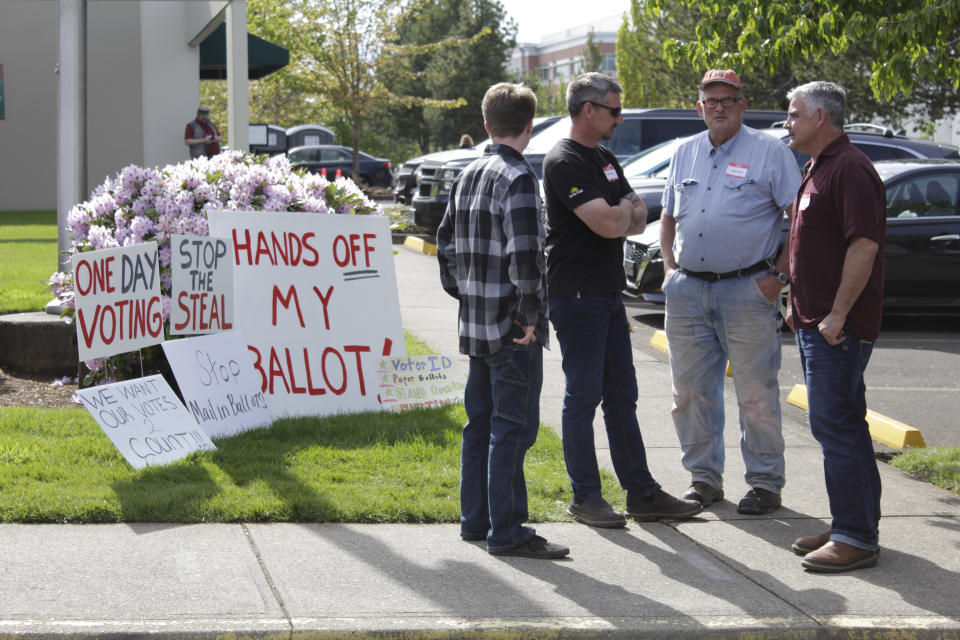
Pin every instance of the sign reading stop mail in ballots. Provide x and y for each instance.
(145, 421)
(316, 299)
(218, 384)
(202, 273)
(117, 295)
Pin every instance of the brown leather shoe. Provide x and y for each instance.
(805, 544)
(837, 557)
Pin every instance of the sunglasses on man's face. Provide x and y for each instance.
(614, 111)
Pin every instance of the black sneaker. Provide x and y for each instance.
(759, 502)
(660, 505)
(593, 510)
(535, 547)
(703, 493)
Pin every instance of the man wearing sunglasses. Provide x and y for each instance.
(723, 206)
(590, 207)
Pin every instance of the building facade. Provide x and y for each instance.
(561, 56)
(142, 87)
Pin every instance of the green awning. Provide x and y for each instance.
(263, 58)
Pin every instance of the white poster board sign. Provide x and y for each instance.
(218, 384)
(202, 289)
(316, 299)
(117, 293)
(412, 382)
(145, 421)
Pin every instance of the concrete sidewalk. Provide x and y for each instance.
(721, 575)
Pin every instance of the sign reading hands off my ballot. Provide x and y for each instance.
(316, 299)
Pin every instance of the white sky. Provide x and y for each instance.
(537, 18)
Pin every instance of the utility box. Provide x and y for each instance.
(268, 139)
(308, 134)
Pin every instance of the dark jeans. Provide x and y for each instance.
(598, 364)
(836, 395)
(502, 400)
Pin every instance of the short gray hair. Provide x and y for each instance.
(829, 96)
(589, 87)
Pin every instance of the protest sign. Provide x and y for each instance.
(218, 384)
(410, 382)
(316, 299)
(144, 420)
(202, 289)
(117, 294)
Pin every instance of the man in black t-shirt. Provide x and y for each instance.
(590, 207)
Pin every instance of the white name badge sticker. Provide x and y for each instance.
(736, 170)
(610, 172)
(804, 201)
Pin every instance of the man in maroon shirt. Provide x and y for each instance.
(201, 135)
(836, 267)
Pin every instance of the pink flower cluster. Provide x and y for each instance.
(143, 204)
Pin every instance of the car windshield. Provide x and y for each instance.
(545, 140)
(652, 162)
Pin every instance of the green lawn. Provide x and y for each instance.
(58, 466)
(28, 255)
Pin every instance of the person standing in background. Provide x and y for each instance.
(201, 135)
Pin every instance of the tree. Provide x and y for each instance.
(652, 78)
(908, 44)
(454, 70)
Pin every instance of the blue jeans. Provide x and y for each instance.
(836, 395)
(598, 365)
(502, 400)
(707, 324)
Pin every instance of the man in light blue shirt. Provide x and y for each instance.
(723, 207)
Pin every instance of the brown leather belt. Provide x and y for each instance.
(711, 276)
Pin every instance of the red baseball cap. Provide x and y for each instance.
(726, 76)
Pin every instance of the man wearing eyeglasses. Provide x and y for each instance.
(723, 206)
(590, 207)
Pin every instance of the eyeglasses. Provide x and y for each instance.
(614, 111)
(727, 102)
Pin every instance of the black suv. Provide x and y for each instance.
(406, 178)
(640, 129)
(922, 254)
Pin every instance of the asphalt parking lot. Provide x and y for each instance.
(913, 375)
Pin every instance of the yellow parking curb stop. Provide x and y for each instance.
(421, 245)
(659, 341)
(888, 431)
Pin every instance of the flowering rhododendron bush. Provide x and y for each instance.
(141, 205)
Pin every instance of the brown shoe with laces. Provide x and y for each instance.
(805, 544)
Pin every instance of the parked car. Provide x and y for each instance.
(407, 176)
(640, 129)
(647, 171)
(329, 158)
(922, 254)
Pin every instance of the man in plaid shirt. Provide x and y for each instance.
(490, 249)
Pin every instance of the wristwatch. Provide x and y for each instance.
(779, 275)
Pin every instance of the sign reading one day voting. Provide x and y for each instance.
(218, 384)
(144, 420)
(202, 273)
(316, 299)
(117, 294)
(411, 382)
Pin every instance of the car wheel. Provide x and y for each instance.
(363, 181)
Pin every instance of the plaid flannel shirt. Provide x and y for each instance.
(490, 249)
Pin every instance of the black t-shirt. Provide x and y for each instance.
(577, 258)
